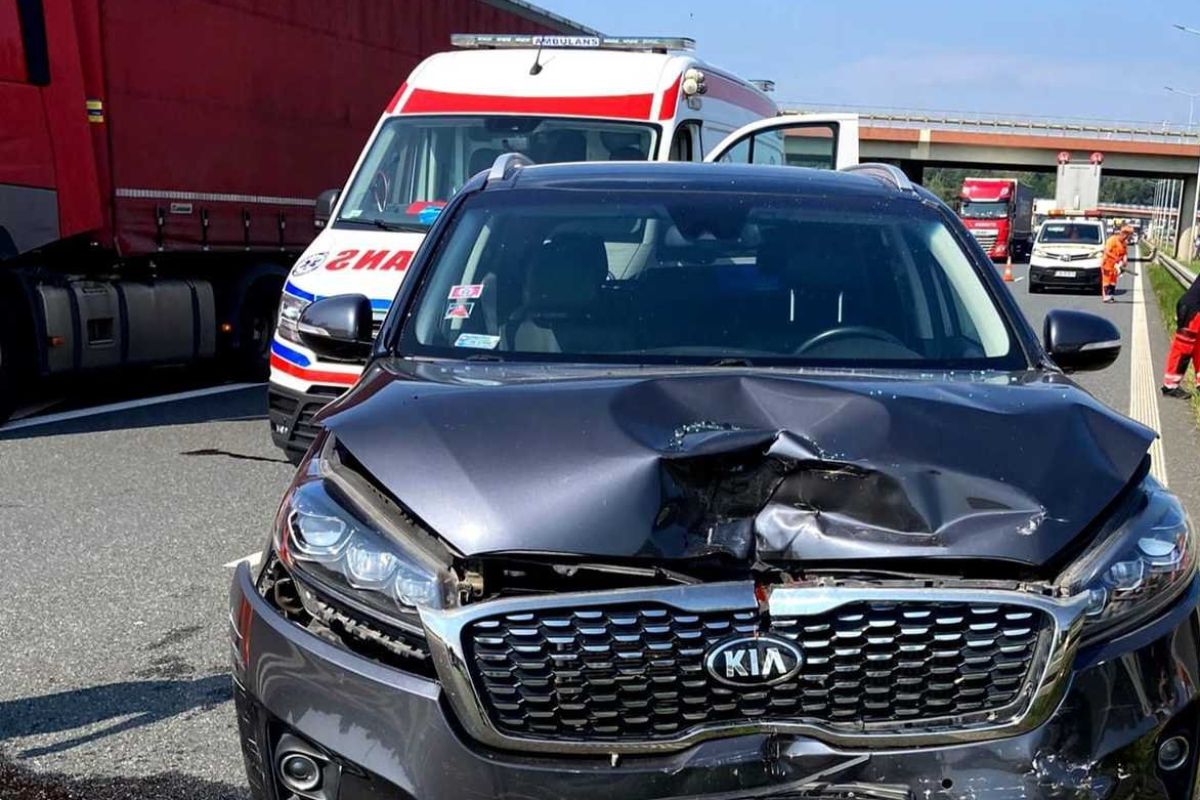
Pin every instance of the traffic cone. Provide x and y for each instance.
(1008, 276)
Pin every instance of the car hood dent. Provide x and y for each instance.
(763, 467)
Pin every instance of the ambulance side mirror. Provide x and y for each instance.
(338, 326)
(1079, 341)
(326, 200)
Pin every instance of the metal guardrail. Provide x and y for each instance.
(1113, 130)
(1176, 269)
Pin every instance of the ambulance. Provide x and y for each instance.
(548, 98)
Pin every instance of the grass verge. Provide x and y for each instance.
(1168, 291)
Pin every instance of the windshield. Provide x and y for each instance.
(705, 278)
(989, 210)
(416, 164)
(1070, 233)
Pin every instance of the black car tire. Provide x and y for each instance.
(256, 329)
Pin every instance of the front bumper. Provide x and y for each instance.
(1052, 272)
(394, 737)
(291, 412)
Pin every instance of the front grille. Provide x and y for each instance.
(637, 673)
(986, 239)
(304, 430)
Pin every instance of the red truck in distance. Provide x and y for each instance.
(999, 214)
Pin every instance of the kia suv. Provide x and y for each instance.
(721, 481)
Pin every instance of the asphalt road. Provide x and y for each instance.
(116, 531)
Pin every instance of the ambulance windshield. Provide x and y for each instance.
(416, 164)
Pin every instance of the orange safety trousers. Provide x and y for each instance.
(1185, 348)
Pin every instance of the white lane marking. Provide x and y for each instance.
(50, 419)
(1018, 279)
(250, 560)
(1143, 388)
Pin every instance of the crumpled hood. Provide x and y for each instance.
(761, 466)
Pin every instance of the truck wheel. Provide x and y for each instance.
(14, 374)
(256, 328)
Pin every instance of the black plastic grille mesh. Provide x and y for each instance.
(637, 672)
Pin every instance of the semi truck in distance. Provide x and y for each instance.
(158, 171)
(999, 214)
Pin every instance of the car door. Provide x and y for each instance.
(821, 141)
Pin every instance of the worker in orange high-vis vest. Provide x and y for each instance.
(1185, 347)
(1116, 251)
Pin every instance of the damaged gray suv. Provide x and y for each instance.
(716, 481)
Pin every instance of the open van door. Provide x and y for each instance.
(819, 141)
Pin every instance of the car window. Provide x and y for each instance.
(416, 164)
(1070, 233)
(654, 277)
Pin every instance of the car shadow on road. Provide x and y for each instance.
(124, 706)
(19, 783)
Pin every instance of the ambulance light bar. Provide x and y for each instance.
(487, 41)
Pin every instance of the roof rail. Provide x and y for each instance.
(654, 44)
(506, 163)
(888, 173)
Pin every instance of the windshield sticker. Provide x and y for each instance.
(309, 263)
(459, 310)
(480, 341)
(466, 291)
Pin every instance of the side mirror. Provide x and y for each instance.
(1079, 341)
(326, 200)
(338, 326)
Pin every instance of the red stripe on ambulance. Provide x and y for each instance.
(629, 106)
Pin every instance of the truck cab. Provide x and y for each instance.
(999, 214)
(547, 98)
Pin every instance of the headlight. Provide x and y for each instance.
(1140, 567)
(1096, 253)
(290, 307)
(334, 535)
(1039, 252)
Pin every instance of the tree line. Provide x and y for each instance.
(945, 182)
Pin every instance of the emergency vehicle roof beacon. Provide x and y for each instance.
(550, 98)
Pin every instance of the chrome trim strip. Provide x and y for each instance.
(211, 197)
(1045, 685)
(886, 172)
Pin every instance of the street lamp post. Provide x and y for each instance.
(1191, 96)
(1195, 210)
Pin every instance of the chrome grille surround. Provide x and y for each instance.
(1037, 697)
(986, 237)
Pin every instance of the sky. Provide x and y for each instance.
(1052, 58)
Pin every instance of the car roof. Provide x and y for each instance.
(696, 177)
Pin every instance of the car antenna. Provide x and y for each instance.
(537, 57)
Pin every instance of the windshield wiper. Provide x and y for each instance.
(731, 362)
(484, 357)
(383, 224)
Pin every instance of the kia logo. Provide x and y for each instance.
(754, 660)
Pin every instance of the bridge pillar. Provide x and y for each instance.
(915, 170)
(1185, 244)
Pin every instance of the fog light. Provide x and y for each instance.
(1172, 753)
(299, 772)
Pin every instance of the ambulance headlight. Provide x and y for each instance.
(1139, 568)
(289, 313)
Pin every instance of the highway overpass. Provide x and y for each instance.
(915, 141)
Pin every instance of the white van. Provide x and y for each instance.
(551, 98)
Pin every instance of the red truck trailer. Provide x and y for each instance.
(999, 214)
(158, 163)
